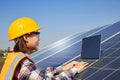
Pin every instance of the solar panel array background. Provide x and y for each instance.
(68, 49)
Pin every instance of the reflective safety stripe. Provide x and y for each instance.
(10, 64)
(13, 66)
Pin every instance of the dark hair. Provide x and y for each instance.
(20, 45)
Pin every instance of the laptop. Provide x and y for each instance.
(90, 51)
(91, 47)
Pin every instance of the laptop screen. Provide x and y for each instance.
(91, 47)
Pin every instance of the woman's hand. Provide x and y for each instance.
(78, 65)
(69, 65)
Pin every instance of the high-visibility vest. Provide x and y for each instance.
(10, 65)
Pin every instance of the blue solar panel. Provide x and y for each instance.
(115, 64)
(109, 64)
(98, 76)
(102, 62)
(68, 49)
(113, 76)
(115, 54)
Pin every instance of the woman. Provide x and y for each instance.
(24, 32)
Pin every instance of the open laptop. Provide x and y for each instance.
(91, 47)
(90, 51)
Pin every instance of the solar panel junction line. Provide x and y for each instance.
(110, 47)
(110, 74)
(111, 37)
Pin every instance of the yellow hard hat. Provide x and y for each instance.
(22, 26)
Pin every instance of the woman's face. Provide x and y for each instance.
(33, 41)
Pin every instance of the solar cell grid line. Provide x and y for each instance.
(115, 64)
(107, 77)
(110, 52)
(116, 53)
(104, 51)
(111, 36)
(117, 46)
(110, 31)
(84, 33)
(102, 62)
(105, 45)
(112, 47)
(117, 38)
(109, 48)
(99, 76)
(84, 74)
(94, 33)
(113, 76)
(100, 68)
(112, 40)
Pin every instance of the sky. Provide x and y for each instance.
(59, 18)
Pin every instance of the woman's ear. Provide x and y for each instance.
(26, 38)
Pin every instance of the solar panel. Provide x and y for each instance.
(68, 49)
(115, 54)
(98, 76)
(109, 64)
(102, 62)
(113, 76)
